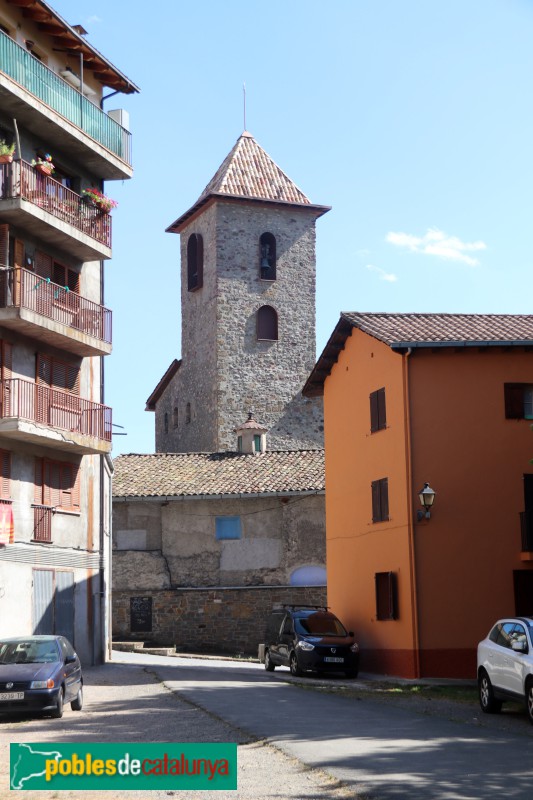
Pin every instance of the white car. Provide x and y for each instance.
(505, 665)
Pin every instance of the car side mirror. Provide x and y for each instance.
(351, 633)
(519, 646)
(70, 659)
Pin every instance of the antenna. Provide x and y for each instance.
(244, 103)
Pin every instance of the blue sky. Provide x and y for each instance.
(412, 119)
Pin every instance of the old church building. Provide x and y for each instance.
(227, 516)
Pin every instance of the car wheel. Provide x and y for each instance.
(57, 713)
(77, 703)
(294, 666)
(487, 701)
(529, 701)
(352, 673)
(269, 665)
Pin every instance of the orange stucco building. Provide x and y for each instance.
(448, 400)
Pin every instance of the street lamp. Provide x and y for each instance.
(426, 496)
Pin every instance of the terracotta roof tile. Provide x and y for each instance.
(196, 474)
(400, 331)
(431, 329)
(248, 171)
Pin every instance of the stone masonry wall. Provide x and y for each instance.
(211, 620)
(225, 370)
(158, 546)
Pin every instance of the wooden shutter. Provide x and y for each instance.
(43, 265)
(58, 374)
(4, 245)
(6, 356)
(19, 252)
(375, 501)
(378, 414)
(384, 498)
(514, 400)
(374, 418)
(380, 500)
(39, 480)
(5, 474)
(382, 411)
(73, 281)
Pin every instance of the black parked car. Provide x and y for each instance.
(306, 638)
(39, 673)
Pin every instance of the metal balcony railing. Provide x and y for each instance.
(526, 526)
(21, 288)
(55, 408)
(51, 89)
(20, 179)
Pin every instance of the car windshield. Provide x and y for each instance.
(28, 651)
(319, 625)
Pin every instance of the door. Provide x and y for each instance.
(523, 592)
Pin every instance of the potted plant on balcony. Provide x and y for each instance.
(96, 198)
(6, 152)
(43, 165)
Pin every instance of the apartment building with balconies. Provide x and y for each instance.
(55, 428)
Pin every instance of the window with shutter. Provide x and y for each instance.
(5, 477)
(4, 245)
(518, 398)
(380, 500)
(386, 596)
(58, 374)
(66, 277)
(57, 484)
(267, 324)
(378, 413)
(43, 265)
(6, 349)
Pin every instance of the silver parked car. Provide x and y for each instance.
(505, 665)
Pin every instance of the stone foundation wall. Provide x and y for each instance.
(211, 620)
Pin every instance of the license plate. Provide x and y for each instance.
(5, 697)
(334, 660)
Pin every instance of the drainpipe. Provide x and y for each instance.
(410, 519)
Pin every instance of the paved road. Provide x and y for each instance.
(379, 750)
(357, 748)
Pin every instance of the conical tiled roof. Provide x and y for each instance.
(248, 171)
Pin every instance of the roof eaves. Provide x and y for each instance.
(162, 385)
(160, 498)
(462, 343)
(314, 386)
(178, 224)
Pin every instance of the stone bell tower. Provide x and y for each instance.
(248, 269)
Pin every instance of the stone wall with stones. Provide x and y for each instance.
(230, 621)
(174, 544)
(225, 370)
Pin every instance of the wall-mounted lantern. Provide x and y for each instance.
(427, 498)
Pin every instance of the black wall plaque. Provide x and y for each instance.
(140, 614)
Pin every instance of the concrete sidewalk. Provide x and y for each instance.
(128, 703)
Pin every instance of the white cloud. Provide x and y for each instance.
(437, 243)
(383, 276)
(92, 19)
